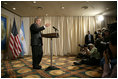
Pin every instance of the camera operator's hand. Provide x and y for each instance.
(105, 54)
(86, 48)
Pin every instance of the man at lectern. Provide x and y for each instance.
(36, 42)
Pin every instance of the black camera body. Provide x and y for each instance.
(82, 46)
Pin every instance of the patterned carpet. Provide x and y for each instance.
(22, 68)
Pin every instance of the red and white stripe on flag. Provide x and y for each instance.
(15, 45)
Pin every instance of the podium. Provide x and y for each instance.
(51, 35)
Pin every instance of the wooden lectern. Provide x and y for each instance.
(51, 35)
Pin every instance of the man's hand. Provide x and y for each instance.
(47, 24)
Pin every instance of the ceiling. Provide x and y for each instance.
(61, 8)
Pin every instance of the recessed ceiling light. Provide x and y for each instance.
(34, 2)
(14, 8)
(107, 8)
(41, 8)
(5, 3)
(62, 7)
(46, 14)
(84, 7)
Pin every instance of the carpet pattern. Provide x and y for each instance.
(22, 68)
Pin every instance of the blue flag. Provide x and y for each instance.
(22, 40)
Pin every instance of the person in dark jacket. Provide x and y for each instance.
(89, 38)
(110, 56)
(98, 44)
(36, 42)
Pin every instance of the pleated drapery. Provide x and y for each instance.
(72, 31)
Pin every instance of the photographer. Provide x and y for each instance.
(106, 36)
(94, 57)
(98, 44)
(97, 33)
(102, 42)
(110, 56)
(82, 53)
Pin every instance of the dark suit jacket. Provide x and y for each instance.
(36, 38)
(87, 39)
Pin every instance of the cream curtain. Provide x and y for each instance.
(72, 31)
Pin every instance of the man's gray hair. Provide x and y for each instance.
(36, 19)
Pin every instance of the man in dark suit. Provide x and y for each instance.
(36, 42)
(89, 38)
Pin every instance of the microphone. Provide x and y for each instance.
(55, 28)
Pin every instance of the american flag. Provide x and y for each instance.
(14, 43)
